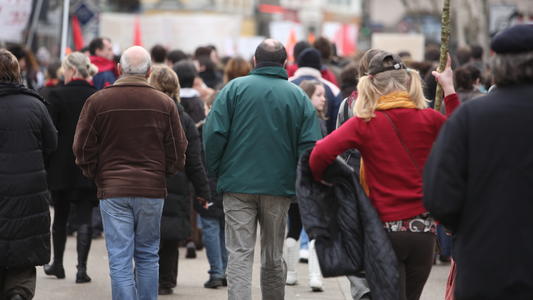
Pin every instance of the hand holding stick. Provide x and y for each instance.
(445, 78)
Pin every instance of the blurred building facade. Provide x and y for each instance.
(234, 25)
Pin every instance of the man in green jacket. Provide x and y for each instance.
(257, 129)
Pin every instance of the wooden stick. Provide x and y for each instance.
(444, 39)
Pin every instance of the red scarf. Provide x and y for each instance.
(51, 82)
(104, 64)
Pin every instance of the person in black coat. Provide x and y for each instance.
(27, 138)
(209, 73)
(189, 97)
(65, 179)
(190, 100)
(478, 180)
(175, 221)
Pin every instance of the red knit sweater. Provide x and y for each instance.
(394, 181)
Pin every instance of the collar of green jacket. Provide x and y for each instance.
(271, 71)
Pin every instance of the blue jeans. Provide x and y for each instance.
(213, 238)
(445, 241)
(304, 240)
(131, 230)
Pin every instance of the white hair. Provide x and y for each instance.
(80, 63)
(132, 64)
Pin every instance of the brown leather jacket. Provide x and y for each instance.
(128, 138)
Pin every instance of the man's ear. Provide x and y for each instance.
(255, 62)
(119, 70)
(285, 63)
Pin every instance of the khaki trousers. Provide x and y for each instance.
(243, 212)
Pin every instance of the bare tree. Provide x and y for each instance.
(470, 18)
(417, 6)
(472, 22)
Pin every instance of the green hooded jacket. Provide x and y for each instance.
(257, 129)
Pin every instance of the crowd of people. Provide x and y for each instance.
(343, 157)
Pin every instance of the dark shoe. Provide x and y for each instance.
(96, 234)
(165, 291)
(191, 253)
(81, 276)
(214, 283)
(83, 245)
(225, 282)
(16, 297)
(54, 270)
(59, 240)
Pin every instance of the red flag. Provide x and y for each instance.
(311, 38)
(77, 34)
(348, 39)
(137, 36)
(290, 44)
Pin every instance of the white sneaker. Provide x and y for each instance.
(292, 278)
(291, 258)
(304, 255)
(315, 275)
(315, 283)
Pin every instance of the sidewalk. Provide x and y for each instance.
(192, 275)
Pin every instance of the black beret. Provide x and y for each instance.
(310, 57)
(516, 39)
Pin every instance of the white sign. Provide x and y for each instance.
(184, 31)
(14, 16)
(396, 42)
(281, 31)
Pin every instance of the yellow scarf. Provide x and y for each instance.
(390, 101)
(395, 100)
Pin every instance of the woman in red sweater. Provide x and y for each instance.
(394, 131)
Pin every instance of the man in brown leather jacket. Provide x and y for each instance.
(128, 138)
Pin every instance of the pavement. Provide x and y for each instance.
(192, 275)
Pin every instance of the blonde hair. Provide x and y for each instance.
(371, 88)
(165, 79)
(93, 70)
(81, 63)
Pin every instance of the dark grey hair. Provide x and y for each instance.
(511, 69)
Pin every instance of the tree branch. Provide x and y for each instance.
(444, 39)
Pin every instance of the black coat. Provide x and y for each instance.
(65, 104)
(194, 107)
(175, 221)
(349, 235)
(478, 182)
(216, 210)
(27, 135)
